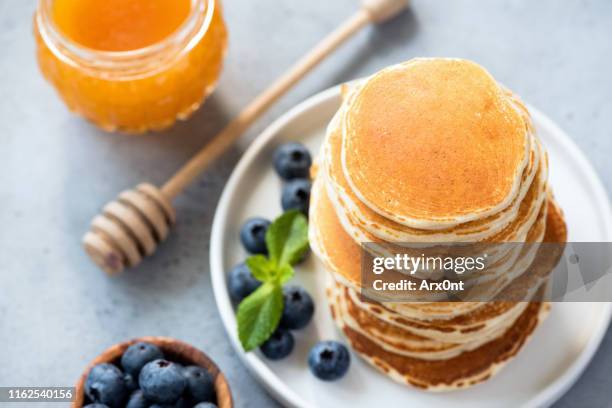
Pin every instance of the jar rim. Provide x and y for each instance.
(181, 40)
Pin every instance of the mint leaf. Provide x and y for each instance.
(259, 314)
(285, 273)
(262, 268)
(287, 238)
(266, 270)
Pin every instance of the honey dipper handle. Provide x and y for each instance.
(372, 10)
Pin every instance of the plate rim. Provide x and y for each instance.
(262, 373)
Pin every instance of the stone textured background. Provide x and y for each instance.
(57, 311)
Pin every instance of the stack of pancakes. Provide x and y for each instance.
(432, 151)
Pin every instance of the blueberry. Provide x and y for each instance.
(137, 355)
(200, 384)
(296, 195)
(292, 160)
(205, 405)
(329, 360)
(137, 400)
(162, 381)
(95, 405)
(298, 309)
(253, 235)
(130, 382)
(105, 385)
(279, 345)
(241, 282)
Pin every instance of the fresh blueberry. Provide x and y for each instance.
(298, 309)
(253, 235)
(200, 384)
(292, 160)
(130, 382)
(205, 405)
(279, 345)
(137, 355)
(105, 385)
(137, 400)
(241, 282)
(329, 360)
(296, 195)
(96, 405)
(162, 381)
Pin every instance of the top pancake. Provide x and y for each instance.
(388, 230)
(432, 143)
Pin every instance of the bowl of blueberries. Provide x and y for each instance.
(152, 372)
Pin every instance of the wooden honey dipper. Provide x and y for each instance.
(132, 226)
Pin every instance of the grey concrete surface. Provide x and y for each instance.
(57, 311)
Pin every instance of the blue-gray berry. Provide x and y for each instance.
(162, 381)
(279, 345)
(137, 355)
(329, 360)
(105, 384)
(298, 308)
(200, 384)
(296, 195)
(292, 160)
(253, 235)
(241, 282)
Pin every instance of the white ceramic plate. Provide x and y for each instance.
(547, 366)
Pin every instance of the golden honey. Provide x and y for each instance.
(131, 65)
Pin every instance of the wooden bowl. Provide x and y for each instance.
(174, 350)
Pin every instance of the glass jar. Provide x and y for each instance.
(140, 89)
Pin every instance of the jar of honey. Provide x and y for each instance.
(131, 65)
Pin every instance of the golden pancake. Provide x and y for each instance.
(462, 370)
(342, 255)
(524, 216)
(482, 321)
(516, 230)
(492, 284)
(432, 143)
(539, 270)
(342, 196)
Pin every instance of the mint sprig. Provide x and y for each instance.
(287, 238)
(260, 312)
